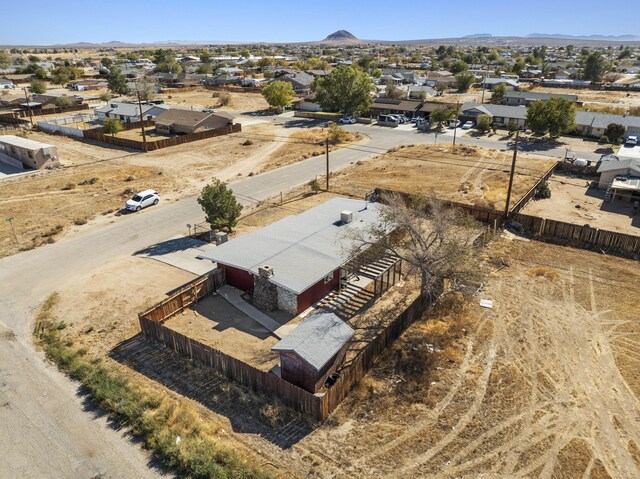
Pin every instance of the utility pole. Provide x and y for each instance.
(327, 148)
(455, 124)
(513, 169)
(10, 220)
(28, 106)
(484, 79)
(144, 136)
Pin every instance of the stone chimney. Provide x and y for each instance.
(265, 293)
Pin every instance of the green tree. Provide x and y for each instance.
(112, 126)
(168, 67)
(483, 123)
(393, 92)
(106, 62)
(205, 69)
(458, 66)
(38, 87)
(117, 82)
(518, 66)
(346, 90)
(5, 60)
(498, 91)
(440, 115)
(595, 67)
(163, 55)
(614, 131)
(555, 116)
(63, 75)
(278, 94)
(464, 81)
(64, 102)
(220, 207)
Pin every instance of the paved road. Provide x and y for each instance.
(44, 431)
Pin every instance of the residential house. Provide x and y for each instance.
(307, 104)
(594, 124)
(223, 79)
(292, 263)
(22, 152)
(176, 121)
(526, 98)
(19, 77)
(442, 76)
(418, 91)
(509, 83)
(313, 350)
(501, 115)
(129, 112)
(300, 81)
(622, 177)
(388, 106)
(11, 100)
(84, 85)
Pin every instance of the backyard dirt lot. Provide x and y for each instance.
(465, 174)
(544, 385)
(573, 202)
(599, 96)
(202, 98)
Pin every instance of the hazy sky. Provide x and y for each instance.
(44, 22)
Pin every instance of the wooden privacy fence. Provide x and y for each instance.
(532, 192)
(238, 89)
(318, 406)
(98, 134)
(583, 236)
(185, 296)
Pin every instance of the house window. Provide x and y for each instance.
(30, 153)
(328, 278)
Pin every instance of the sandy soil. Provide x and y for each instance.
(573, 202)
(465, 174)
(240, 102)
(623, 98)
(533, 388)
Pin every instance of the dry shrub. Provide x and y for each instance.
(545, 273)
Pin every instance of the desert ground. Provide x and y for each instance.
(597, 96)
(465, 174)
(572, 201)
(544, 385)
(95, 180)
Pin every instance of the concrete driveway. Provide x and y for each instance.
(181, 252)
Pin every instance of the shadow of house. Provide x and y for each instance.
(247, 412)
(170, 246)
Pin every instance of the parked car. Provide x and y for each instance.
(142, 200)
(454, 123)
(347, 120)
(468, 125)
(631, 141)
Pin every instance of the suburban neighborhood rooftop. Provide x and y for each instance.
(301, 249)
(317, 338)
(23, 142)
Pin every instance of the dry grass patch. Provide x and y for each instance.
(465, 174)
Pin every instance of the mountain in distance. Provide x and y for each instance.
(341, 36)
(610, 38)
(479, 35)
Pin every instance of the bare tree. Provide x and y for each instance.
(434, 239)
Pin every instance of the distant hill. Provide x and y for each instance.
(603, 38)
(478, 35)
(341, 36)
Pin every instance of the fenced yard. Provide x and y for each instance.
(318, 406)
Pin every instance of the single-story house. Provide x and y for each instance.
(509, 83)
(417, 91)
(129, 112)
(223, 79)
(11, 100)
(83, 85)
(526, 98)
(177, 121)
(623, 177)
(313, 350)
(293, 263)
(501, 115)
(388, 106)
(19, 77)
(433, 78)
(30, 153)
(307, 104)
(594, 124)
(300, 81)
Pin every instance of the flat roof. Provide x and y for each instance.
(630, 183)
(23, 142)
(317, 339)
(301, 249)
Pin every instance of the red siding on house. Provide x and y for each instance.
(297, 371)
(317, 291)
(238, 278)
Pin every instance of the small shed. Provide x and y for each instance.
(313, 350)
